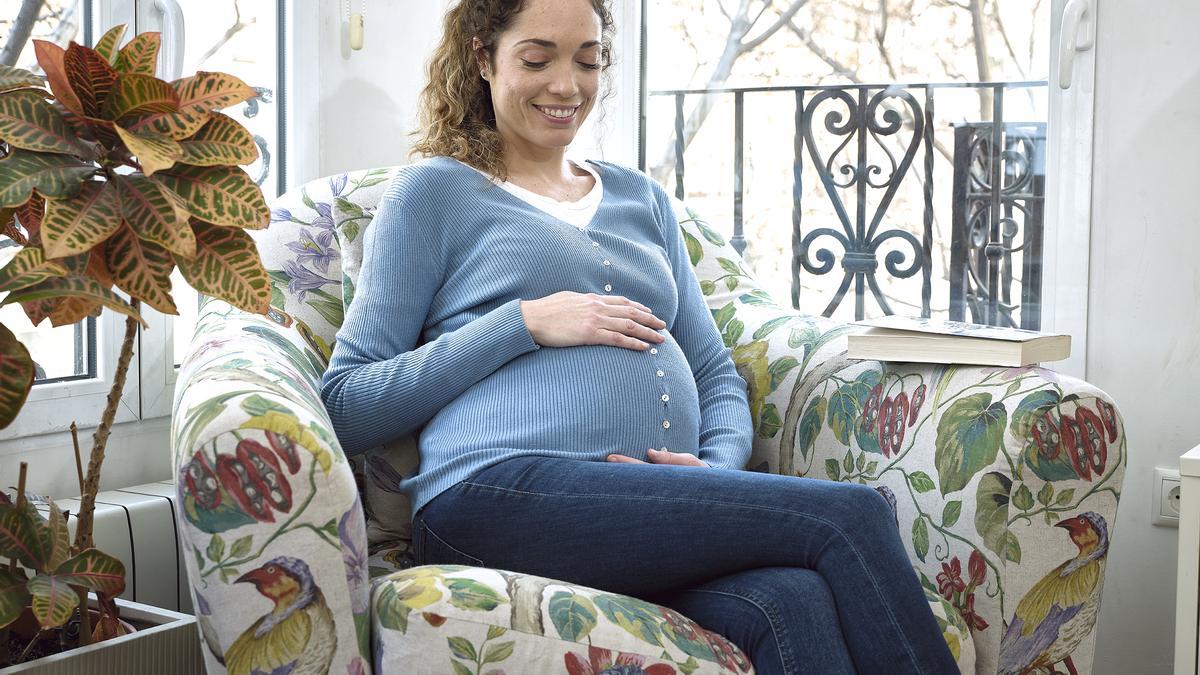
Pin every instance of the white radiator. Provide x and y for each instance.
(1187, 589)
(137, 525)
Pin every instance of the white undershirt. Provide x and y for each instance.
(578, 213)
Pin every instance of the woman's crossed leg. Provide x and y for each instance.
(652, 530)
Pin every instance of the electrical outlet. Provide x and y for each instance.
(1166, 502)
(1173, 496)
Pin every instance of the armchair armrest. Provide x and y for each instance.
(269, 503)
(1005, 483)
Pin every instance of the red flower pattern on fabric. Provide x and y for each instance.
(914, 408)
(600, 661)
(679, 624)
(950, 579)
(974, 621)
(977, 568)
(1091, 434)
(727, 655)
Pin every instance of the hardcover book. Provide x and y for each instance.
(902, 338)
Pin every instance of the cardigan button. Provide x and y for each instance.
(666, 424)
(661, 373)
(608, 287)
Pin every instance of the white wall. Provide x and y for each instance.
(368, 97)
(136, 453)
(1144, 321)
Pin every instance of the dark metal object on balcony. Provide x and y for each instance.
(991, 225)
(861, 238)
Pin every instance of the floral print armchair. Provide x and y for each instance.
(1005, 484)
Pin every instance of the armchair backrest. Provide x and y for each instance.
(312, 249)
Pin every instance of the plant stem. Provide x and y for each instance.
(29, 647)
(78, 461)
(21, 486)
(12, 562)
(85, 618)
(91, 485)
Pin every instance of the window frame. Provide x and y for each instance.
(1070, 133)
(52, 407)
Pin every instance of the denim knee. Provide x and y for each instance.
(796, 618)
(865, 512)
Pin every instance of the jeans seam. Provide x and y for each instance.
(430, 533)
(773, 619)
(418, 539)
(754, 507)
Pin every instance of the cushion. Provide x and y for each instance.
(388, 557)
(455, 619)
(771, 344)
(355, 197)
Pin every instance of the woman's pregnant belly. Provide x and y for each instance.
(587, 399)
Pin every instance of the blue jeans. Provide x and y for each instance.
(803, 575)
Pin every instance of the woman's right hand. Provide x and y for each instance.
(567, 318)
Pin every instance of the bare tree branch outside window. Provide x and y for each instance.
(19, 32)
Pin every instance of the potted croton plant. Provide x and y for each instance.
(109, 179)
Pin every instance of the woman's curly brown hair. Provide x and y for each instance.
(455, 107)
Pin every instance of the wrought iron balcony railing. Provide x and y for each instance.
(989, 227)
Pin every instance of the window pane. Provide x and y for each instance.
(66, 351)
(899, 146)
(62, 352)
(59, 21)
(240, 38)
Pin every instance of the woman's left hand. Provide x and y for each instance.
(661, 457)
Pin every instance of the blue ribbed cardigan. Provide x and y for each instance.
(434, 341)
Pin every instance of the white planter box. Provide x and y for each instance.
(170, 645)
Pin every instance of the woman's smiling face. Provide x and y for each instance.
(545, 73)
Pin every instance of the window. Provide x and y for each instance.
(246, 38)
(75, 363)
(852, 149)
(59, 354)
(67, 352)
(241, 38)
